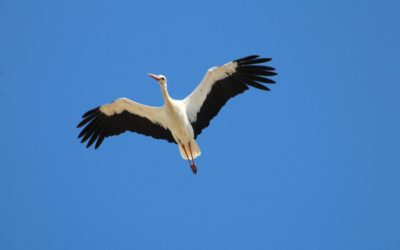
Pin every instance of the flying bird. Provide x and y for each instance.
(178, 121)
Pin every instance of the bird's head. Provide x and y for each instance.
(162, 80)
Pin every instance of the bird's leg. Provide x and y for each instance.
(192, 166)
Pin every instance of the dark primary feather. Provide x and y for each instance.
(248, 73)
(98, 126)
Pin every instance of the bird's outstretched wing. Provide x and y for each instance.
(222, 83)
(120, 116)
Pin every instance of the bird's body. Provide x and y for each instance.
(181, 129)
(177, 121)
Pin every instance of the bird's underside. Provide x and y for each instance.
(178, 121)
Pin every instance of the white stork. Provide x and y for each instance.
(178, 121)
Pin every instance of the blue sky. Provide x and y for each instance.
(313, 164)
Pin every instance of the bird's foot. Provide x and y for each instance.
(194, 168)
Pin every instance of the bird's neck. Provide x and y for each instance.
(166, 97)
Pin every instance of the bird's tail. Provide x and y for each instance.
(194, 148)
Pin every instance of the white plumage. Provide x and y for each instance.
(178, 121)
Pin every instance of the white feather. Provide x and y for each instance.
(154, 114)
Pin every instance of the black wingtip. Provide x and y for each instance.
(80, 135)
(255, 61)
(90, 112)
(98, 142)
(258, 86)
(81, 124)
(250, 71)
(247, 58)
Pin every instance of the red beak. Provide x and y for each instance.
(155, 77)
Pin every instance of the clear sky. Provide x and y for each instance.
(313, 164)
